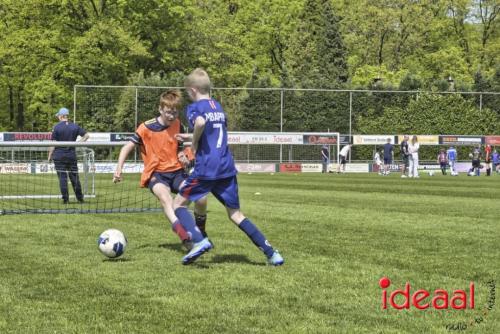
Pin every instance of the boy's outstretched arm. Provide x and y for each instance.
(124, 152)
(199, 127)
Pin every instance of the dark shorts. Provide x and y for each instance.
(172, 180)
(443, 164)
(342, 159)
(476, 163)
(225, 190)
(404, 159)
(387, 161)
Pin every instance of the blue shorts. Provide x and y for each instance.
(387, 161)
(172, 180)
(225, 190)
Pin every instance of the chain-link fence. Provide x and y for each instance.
(122, 108)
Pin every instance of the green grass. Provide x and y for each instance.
(339, 235)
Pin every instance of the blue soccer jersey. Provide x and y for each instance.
(452, 154)
(213, 159)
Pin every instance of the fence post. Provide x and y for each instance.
(281, 109)
(480, 102)
(282, 103)
(136, 107)
(74, 103)
(136, 117)
(350, 122)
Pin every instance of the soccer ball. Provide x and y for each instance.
(112, 243)
(431, 173)
(471, 155)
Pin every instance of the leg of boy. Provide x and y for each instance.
(257, 237)
(226, 191)
(201, 244)
(162, 192)
(200, 215)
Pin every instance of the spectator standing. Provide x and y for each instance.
(495, 157)
(65, 161)
(388, 155)
(404, 156)
(343, 158)
(442, 160)
(325, 158)
(451, 155)
(487, 159)
(378, 161)
(413, 148)
(476, 162)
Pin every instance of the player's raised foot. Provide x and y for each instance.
(198, 250)
(276, 259)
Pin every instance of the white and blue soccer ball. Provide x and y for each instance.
(431, 173)
(112, 243)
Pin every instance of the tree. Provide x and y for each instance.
(316, 57)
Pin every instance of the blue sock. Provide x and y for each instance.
(187, 221)
(256, 236)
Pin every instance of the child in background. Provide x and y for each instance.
(442, 159)
(451, 155)
(495, 157)
(378, 162)
(487, 159)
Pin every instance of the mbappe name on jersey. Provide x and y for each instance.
(215, 116)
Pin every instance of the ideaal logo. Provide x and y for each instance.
(422, 299)
(440, 299)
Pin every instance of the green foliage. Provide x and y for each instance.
(48, 46)
(261, 108)
(316, 56)
(432, 114)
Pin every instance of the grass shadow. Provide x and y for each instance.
(120, 259)
(234, 258)
(175, 247)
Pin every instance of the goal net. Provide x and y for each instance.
(29, 183)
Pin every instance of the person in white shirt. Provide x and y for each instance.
(378, 162)
(413, 151)
(342, 158)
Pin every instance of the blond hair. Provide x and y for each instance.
(198, 79)
(171, 99)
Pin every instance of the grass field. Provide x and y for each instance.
(339, 235)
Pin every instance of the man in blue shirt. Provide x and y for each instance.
(65, 161)
(214, 170)
(451, 155)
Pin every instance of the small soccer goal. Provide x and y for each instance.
(29, 182)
